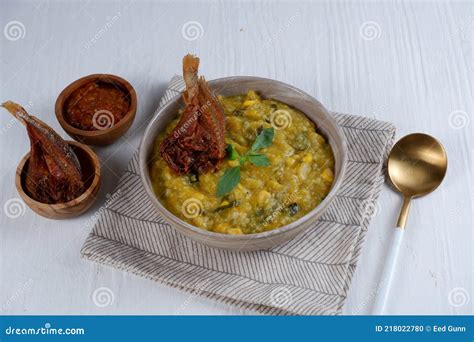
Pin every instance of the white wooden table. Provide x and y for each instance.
(409, 63)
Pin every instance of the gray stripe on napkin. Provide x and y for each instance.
(308, 275)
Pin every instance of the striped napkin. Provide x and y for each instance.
(308, 275)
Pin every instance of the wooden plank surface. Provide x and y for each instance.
(409, 63)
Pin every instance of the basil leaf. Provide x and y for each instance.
(228, 181)
(232, 152)
(264, 139)
(231, 177)
(259, 159)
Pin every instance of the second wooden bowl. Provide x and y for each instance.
(91, 174)
(104, 136)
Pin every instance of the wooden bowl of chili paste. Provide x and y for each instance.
(97, 109)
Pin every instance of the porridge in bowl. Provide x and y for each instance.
(276, 184)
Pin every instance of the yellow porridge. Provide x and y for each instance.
(281, 183)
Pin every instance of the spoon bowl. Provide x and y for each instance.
(417, 165)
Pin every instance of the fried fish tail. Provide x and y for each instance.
(190, 73)
(16, 110)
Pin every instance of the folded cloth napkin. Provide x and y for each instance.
(308, 275)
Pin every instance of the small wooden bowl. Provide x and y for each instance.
(97, 137)
(91, 172)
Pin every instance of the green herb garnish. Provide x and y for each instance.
(264, 139)
(228, 181)
(232, 152)
(258, 159)
(231, 177)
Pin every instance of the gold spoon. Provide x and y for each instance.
(416, 166)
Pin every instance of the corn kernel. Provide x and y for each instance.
(308, 158)
(253, 114)
(274, 185)
(222, 227)
(253, 184)
(303, 171)
(263, 197)
(252, 95)
(233, 163)
(327, 175)
(248, 103)
(234, 231)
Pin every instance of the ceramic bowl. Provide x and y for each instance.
(268, 89)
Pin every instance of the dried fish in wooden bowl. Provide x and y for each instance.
(57, 179)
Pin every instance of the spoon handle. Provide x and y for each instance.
(389, 270)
